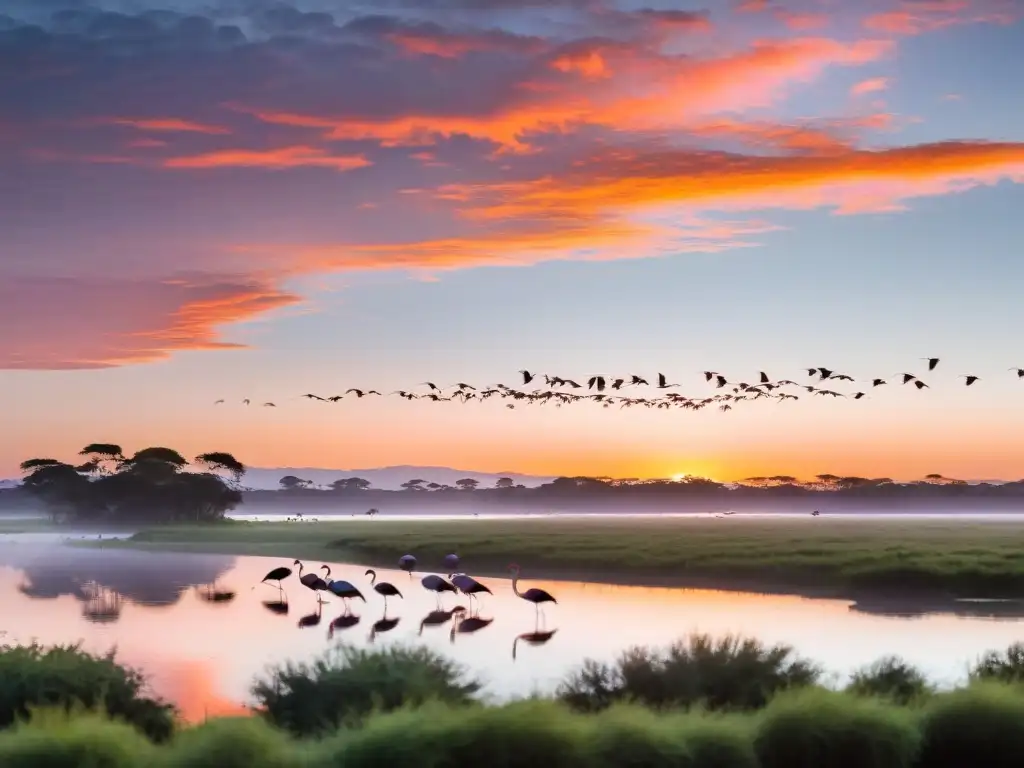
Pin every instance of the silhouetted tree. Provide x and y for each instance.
(413, 485)
(504, 482)
(467, 484)
(350, 484)
(293, 483)
(152, 485)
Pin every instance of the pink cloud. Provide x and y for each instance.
(873, 85)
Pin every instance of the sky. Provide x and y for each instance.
(205, 199)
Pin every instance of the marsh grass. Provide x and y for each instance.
(724, 673)
(982, 725)
(346, 684)
(816, 555)
(1002, 666)
(62, 739)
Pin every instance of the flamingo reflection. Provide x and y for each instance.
(280, 607)
(342, 623)
(382, 625)
(211, 594)
(439, 617)
(311, 619)
(532, 638)
(464, 625)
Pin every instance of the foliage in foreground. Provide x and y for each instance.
(730, 672)
(346, 684)
(65, 676)
(982, 725)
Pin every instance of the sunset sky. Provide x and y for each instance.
(205, 199)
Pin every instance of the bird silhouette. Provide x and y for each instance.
(1020, 372)
(596, 382)
(407, 563)
(383, 588)
(277, 574)
(858, 395)
(970, 379)
(877, 382)
(532, 595)
(280, 607)
(218, 402)
(663, 382)
(465, 625)
(311, 581)
(527, 376)
(437, 585)
(921, 385)
(468, 586)
(451, 562)
(311, 619)
(342, 622)
(346, 590)
(908, 377)
(381, 626)
(932, 362)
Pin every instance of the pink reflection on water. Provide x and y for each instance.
(203, 655)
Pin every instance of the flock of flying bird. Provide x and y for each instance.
(464, 621)
(621, 390)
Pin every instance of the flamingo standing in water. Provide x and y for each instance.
(346, 590)
(311, 581)
(407, 563)
(383, 588)
(468, 586)
(533, 594)
(278, 575)
(437, 585)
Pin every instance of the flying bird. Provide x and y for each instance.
(921, 385)
(218, 402)
(1020, 372)
(663, 382)
(877, 382)
(932, 362)
(269, 405)
(908, 377)
(970, 379)
(527, 376)
(858, 395)
(764, 378)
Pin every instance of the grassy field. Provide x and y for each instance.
(813, 556)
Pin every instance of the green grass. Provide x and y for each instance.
(826, 556)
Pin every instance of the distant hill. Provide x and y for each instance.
(385, 478)
(8, 484)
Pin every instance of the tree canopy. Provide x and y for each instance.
(153, 485)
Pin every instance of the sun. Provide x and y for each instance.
(680, 476)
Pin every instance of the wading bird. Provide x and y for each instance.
(451, 562)
(311, 581)
(468, 586)
(383, 588)
(439, 617)
(437, 585)
(278, 575)
(407, 563)
(346, 590)
(533, 594)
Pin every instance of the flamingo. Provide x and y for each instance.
(437, 585)
(467, 585)
(532, 638)
(451, 562)
(311, 581)
(346, 590)
(383, 588)
(278, 575)
(533, 594)
(407, 563)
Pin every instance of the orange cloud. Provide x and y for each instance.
(655, 93)
(828, 137)
(271, 159)
(589, 64)
(168, 124)
(122, 322)
(450, 45)
(802, 22)
(850, 182)
(873, 85)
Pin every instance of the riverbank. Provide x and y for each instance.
(816, 557)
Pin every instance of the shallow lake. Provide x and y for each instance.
(164, 614)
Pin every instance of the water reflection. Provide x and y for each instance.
(169, 612)
(532, 638)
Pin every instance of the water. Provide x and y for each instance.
(157, 608)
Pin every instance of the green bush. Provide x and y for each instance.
(1006, 666)
(527, 734)
(628, 736)
(730, 673)
(978, 726)
(65, 676)
(57, 740)
(346, 684)
(719, 742)
(890, 678)
(232, 742)
(824, 729)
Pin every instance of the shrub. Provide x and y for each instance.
(824, 729)
(978, 726)
(346, 684)
(730, 673)
(527, 734)
(719, 742)
(1006, 667)
(65, 676)
(890, 678)
(232, 742)
(55, 740)
(625, 736)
